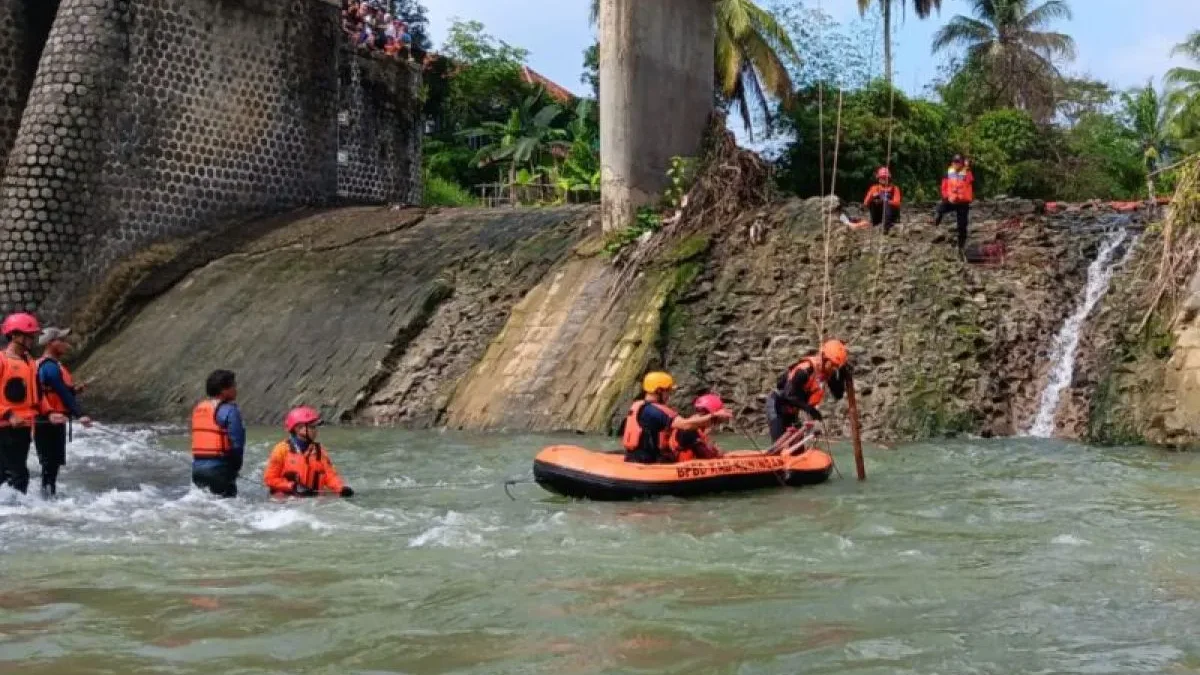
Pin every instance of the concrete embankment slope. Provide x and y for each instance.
(516, 319)
(324, 309)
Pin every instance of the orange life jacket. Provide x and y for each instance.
(702, 449)
(51, 402)
(958, 187)
(891, 191)
(209, 440)
(312, 468)
(19, 392)
(814, 386)
(631, 439)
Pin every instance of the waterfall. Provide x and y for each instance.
(1066, 343)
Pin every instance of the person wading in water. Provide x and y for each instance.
(59, 395)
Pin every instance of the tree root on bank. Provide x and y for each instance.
(729, 182)
(1177, 259)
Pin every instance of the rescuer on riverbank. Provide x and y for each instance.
(58, 391)
(802, 387)
(883, 200)
(646, 431)
(19, 402)
(688, 444)
(958, 192)
(298, 465)
(218, 436)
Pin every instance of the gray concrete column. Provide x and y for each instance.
(656, 93)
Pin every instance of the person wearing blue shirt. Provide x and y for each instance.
(218, 436)
(58, 390)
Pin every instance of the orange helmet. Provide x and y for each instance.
(834, 351)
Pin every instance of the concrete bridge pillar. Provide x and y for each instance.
(656, 93)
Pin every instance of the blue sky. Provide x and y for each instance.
(1120, 42)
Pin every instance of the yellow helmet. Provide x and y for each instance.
(657, 381)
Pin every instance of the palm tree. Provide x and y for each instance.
(1015, 53)
(753, 52)
(1149, 119)
(523, 140)
(923, 8)
(1183, 87)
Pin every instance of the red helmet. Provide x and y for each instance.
(709, 402)
(299, 416)
(883, 173)
(21, 322)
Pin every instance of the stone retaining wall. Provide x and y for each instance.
(152, 119)
(366, 313)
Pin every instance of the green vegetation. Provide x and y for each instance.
(442, 192)
(1030, 130)
(491, 126)
(648, 220)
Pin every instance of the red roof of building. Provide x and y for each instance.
(529, 76)
(557, 92)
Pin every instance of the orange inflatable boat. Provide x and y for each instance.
(577, 472)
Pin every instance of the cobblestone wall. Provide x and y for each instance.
(23, 28)
(152, 119)
(379, 137)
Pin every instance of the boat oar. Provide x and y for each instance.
(860, 464)
(783, 441)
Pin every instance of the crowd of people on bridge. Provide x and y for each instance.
(372, 28)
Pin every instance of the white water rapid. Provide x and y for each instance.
(1066, 343)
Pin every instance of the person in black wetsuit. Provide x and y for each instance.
(802, 388)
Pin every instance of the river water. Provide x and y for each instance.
(1009, 556)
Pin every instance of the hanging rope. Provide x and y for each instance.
(877, 237)
(826, 296)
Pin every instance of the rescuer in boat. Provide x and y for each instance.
(218, 436)
(802, 388)
(19, 401)
(958, 191)
(646, 431)
(883, 200)
(58, 390)
(689, 444)
(299, 465)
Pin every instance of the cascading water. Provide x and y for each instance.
(1066, 343)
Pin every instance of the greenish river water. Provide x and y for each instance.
(1010, 556)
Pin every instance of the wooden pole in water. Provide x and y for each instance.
(860, 465)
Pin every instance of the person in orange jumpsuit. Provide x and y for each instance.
(689, 444)
(298, 465)
(958, 191)
(883, 200)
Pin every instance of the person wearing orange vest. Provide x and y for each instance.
(689, 444)
(299, 466)
(958, 191)
(218, 436)
(883, 200)
(58, 390)
(20, 404)
(802, 388)
(646, 431)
